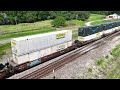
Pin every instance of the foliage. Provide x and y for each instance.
(94, 17)
(3, 47)
(58, 21)
(89, 69)
(116, 51)
(100, 61)
(15, 17)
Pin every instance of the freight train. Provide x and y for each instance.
(30, 51)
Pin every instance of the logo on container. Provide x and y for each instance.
(13, 43)
(62, 35)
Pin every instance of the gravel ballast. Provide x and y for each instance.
(77, 68)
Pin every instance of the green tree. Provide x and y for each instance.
(11, 17)
(58, 21)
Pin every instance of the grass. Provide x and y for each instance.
(6, 29)
(116, 51)
(104, 21)
(24, 27)
(89, 69)
(100, 61)
(74, 34)
(94, 17)
(3, 48)
(78, 23)
(14, 35)
(108, 66)
(115, 72)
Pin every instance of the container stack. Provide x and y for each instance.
(33, 47)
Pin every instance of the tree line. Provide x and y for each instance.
(15, 17)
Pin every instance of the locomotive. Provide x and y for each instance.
(62, 44)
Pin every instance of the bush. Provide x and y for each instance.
(58, 21)
(1, 20)
(100, 62)
(116, 51)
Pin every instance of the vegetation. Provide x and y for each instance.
(108, 66)
(89, 69)
(59, 21)
(100, 61)
(115, 72)
(104, 21)
(94, 17)
(116, 51)
(32, 32)
(3, 48)
(7, 29)
(14, 17)
(74, 34)
(78, 23)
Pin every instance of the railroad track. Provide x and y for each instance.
(68, 58)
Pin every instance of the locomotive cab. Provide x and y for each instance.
(89, 33)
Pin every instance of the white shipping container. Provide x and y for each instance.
(54, 49)
(34, 56)
(38, 42)
(20, 59)
(69, 43)
(41, 53)
(19, 46)
(24, 58)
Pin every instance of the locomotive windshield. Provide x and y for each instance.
(80, 31)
